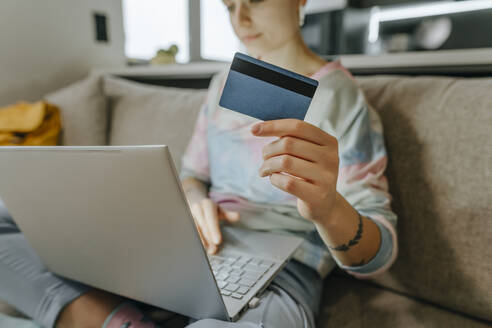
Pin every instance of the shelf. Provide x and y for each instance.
(468, 57)
(475, 62)
(468, 62)
(194, 70)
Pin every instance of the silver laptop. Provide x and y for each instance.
(116, 218)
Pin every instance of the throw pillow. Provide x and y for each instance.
(83, 112)
(144, 114)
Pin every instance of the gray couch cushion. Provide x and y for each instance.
(143, 114)
(350, 303)
(437, 132)
(83, 112)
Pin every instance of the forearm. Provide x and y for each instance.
(353, 241)
(194, 189)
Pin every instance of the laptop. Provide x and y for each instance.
(116, 218)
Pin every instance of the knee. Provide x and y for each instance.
(214, 323)
(7, 225)
(285, 311)
(205, 323)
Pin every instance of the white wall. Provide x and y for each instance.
(46, 44)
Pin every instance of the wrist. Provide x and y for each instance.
(339, 209)
(341, 225)
(353, 239)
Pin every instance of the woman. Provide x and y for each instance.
(323, 181)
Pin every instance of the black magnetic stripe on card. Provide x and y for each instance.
(273, 77)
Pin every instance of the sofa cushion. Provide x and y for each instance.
(437, 132)
(348, 303)
(143, 114)
(83, 112)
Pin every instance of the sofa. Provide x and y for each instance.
(438, 136)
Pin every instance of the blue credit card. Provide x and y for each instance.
(265, 91)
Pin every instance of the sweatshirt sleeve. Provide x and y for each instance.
(363, 159)
(195, 161)
(363, 184)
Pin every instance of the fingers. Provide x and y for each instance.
(210, 210)
(297, 167)
(295, 147)
(301, 189)
(294, 128)
(229, 216)
(197, 212)
(207, 214)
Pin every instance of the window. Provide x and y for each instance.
(218, 41)
(154, 24)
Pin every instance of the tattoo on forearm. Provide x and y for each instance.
(355, 241)
(361, 263)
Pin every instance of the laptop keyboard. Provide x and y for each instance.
(237, 274)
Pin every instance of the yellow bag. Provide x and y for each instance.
(25, 124)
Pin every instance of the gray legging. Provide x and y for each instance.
(291, 300)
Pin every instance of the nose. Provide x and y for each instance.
(242, 15)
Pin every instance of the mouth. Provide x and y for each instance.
(249, 38)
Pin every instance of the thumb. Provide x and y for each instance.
(230, 216)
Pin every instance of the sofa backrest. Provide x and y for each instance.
(438, 136)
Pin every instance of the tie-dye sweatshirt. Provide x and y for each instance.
(226, 156)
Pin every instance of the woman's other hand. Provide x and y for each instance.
(207, 215)
(303, 162)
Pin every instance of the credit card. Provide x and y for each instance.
(265, 91)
